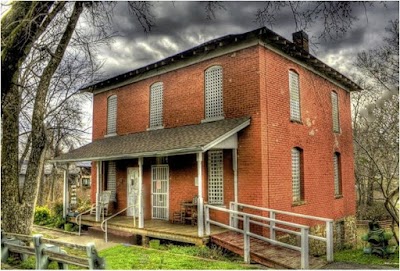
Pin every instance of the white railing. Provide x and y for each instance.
(272, 215)
(79, 217)
(104, 223)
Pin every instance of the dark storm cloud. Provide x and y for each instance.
(183, 25)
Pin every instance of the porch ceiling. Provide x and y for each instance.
(162, 142)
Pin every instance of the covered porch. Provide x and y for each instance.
(156, 170)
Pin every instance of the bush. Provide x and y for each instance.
(376, 211)
(42, 215)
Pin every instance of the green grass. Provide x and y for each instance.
(135, 257)
(358, 256)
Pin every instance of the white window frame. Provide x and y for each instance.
(335, 112)
(213, 94)
(156, 105)
(297, 180)
(112, 115)
(112, 180)
(294, 93)
(216, 177)
(337, 174)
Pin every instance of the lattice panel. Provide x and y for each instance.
(160, 188)
(296, 174)
(215, 177)
(335, 112)
(213, 92)
(294, 96)
(112, 115)
(336, 174)
(112, 180)
(156, 105)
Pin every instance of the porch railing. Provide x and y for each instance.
(104, 223)
(272, 227)
(78, 219)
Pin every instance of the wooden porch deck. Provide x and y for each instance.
(159, 229)
(266, 254)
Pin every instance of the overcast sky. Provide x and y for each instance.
(183, 25)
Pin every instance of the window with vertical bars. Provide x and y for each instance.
(214, 106)
(215, 177)
(112, 180)
(156, 105)
(112, 114)
(336, 171)
(297, 175)
(335, 112)
(294, 90)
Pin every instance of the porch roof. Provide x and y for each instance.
(161, 142)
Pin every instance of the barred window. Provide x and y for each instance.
(156, 105)
(213, 93)
(112, 114)
(294, 91)
(337, 173)
(112, 180)
(335, 112)
(215, 177)
(297, 174)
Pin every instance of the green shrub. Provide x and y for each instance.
(376, 211)
(58, 209)
(42, 215)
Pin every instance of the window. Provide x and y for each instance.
(86, 181)
(297, 175)
(156, 105)
(112, 115)
(111, 180)
(215, 177)
(214, 107)
(337, 173)
(335, 112)
(294, 91)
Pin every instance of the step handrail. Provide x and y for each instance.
(105, 221)
(80, 218)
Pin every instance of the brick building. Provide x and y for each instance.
(250, 118)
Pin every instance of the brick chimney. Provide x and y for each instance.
(300, 38)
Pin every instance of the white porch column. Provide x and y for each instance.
(235, 182)
(65, 193)
(98, 188)
(141, 213)
(200, 202)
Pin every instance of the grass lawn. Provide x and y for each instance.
(358, 256)
(135, 257)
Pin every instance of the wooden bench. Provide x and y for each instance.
(48, 250)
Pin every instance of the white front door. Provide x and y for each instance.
(160, 191)
(133, 191)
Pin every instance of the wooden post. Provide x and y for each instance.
(141, 214)
(98, 189)
(200, 202)
(95, 262)
(207, 220)
(65, 193)
(329, 241)
(246, 239)
(235, 184)
(272, 225)
(304, 248)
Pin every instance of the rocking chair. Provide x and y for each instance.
(104, 202)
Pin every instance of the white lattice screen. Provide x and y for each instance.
(213, 93)
(296, 174)
(335, 112)
(336, 174)
(294, 96)
(112, 114)
(156, 105)
(215, 177)
(112, 180)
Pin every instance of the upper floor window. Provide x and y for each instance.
(337, 173)
(112, 115)
(156, 105)
(215, 177)
(214, 106)
(335, 112)
(294, 91)
(297, 175)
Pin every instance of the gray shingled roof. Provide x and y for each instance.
(172, 141)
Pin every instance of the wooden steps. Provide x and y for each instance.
(264, 253)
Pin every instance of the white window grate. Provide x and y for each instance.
(296, 174)
(336, 170)
(112, 114)
(294, 96)
(215, 177)
(112, 180)
(156, 105)
(160, 191)
(335, 112)
(213, 93)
